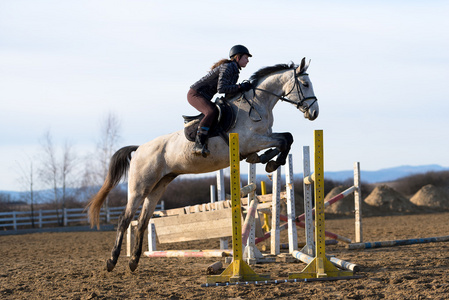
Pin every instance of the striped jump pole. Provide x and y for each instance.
(301, 224)
(238, 270)
(188, 253)
(331, 201)
(397, 243)
(251, 253)
(329, 234)
(335, 261)
(277, 281)
(309, 179)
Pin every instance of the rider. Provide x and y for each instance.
(222, 79)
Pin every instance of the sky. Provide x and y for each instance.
(379, 70)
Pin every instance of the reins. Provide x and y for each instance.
(299, 90)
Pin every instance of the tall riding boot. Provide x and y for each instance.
(200, 147)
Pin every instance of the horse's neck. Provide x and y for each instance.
(275, 87)
(266, 94)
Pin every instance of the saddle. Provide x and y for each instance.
(226, 119)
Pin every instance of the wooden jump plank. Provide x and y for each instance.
(189, 227)
(212, 206)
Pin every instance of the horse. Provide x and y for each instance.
(153, 165)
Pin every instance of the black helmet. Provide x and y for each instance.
(239, 49)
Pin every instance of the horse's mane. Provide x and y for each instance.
(257, 76)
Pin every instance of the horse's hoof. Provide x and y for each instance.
(253, 158)
(110, 265)
(271, 166)
(133, 265)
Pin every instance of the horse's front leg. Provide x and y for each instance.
(281, 142)
(284, 150)
(254, 158)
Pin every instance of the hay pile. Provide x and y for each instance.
(384, 199)
(430, 196)
(344, 206)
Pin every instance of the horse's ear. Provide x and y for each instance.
(303, 67)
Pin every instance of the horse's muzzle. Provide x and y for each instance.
(311, 114)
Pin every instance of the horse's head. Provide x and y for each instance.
(294, 83)
(301, 92)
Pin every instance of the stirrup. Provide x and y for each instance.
(200, 148)
(204, 151)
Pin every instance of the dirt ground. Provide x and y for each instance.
(72, 266)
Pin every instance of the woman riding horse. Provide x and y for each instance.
(222, 79)
(153, 165)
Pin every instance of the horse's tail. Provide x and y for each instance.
(118, 166)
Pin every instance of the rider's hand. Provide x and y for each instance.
(246, 86)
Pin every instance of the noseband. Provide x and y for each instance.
(299, 105)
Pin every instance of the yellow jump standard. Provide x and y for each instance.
(320, 266)
(238, 270)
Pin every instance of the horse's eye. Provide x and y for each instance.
(306, 84)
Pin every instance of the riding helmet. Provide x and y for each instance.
(239, 49)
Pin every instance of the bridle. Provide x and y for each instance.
(299, 105)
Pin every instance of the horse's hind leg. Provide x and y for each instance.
(123, 223)
(144, 218)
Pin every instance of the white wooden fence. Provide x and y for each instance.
(69, 216)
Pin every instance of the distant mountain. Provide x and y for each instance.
(384, 175)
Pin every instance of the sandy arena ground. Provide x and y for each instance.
(72, 266)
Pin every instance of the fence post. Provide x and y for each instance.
(108, 215)
(64, 213)
(40, 218)
(14, 221)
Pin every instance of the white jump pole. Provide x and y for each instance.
(251, 253)
(309, 248)
(358, 204)
(292, 232)
(220, 185)
(275, 212)
(221, 197)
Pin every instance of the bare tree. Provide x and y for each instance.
(107, 145)
(67, 167)
(49, 171)
(55, 172)
(5, 201)
(108, 142)
(88, 181)
(26, 179)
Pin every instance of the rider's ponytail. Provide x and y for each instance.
(225, 60)
(220, 62)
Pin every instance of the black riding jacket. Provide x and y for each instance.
(221, 79)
